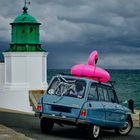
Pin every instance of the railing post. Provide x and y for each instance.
(131, 105)
(139, 119)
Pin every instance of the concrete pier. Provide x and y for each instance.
(136, 118)
(10, 134)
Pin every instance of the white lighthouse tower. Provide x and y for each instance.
(25, 64)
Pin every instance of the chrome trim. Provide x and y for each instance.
(83, 121)
(62, 118)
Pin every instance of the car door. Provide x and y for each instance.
(95, 109)
(113, 111)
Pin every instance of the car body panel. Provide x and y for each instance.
(114, 114)
(95, 112)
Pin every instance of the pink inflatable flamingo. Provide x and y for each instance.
(90, 70)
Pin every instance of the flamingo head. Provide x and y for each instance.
(93, 58)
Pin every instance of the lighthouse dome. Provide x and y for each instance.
(25, 17)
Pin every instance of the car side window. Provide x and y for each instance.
(112, 97)
(106, 97)
(93, 93)
(100, 94)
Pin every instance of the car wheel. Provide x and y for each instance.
(94, 131)
(126, 128)
(46, 126)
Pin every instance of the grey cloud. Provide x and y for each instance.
(111, 60)
(71, 29)
(62, 2)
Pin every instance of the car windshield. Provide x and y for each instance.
(67, 87)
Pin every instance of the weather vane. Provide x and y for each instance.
(25, 3)
(25, 6)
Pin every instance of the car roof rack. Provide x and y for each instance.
(62, 73)
(112, 83)
(69, 74)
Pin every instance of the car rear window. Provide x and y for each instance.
(67, 87)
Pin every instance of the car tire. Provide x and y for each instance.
(46, 126)
(127, 127)
(94, 131)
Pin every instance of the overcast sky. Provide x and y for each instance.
(71, 29)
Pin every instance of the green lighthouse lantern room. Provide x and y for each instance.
(25, 34)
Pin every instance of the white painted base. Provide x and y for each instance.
(2, 73)
(16, 86)
(23, 71)
(15, 100)
(26, 69)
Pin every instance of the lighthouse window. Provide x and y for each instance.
(23, 31)
(31, 29)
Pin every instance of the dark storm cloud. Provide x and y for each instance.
(71, 29)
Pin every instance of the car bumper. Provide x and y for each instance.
(62, 119)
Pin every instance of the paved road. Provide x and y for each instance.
(29, 125)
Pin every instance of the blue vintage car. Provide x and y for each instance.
(83, 102)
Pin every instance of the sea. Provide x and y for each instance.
(127, 84)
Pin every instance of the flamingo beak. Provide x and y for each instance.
(96, 60)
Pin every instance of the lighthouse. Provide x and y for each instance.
(25, 64)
